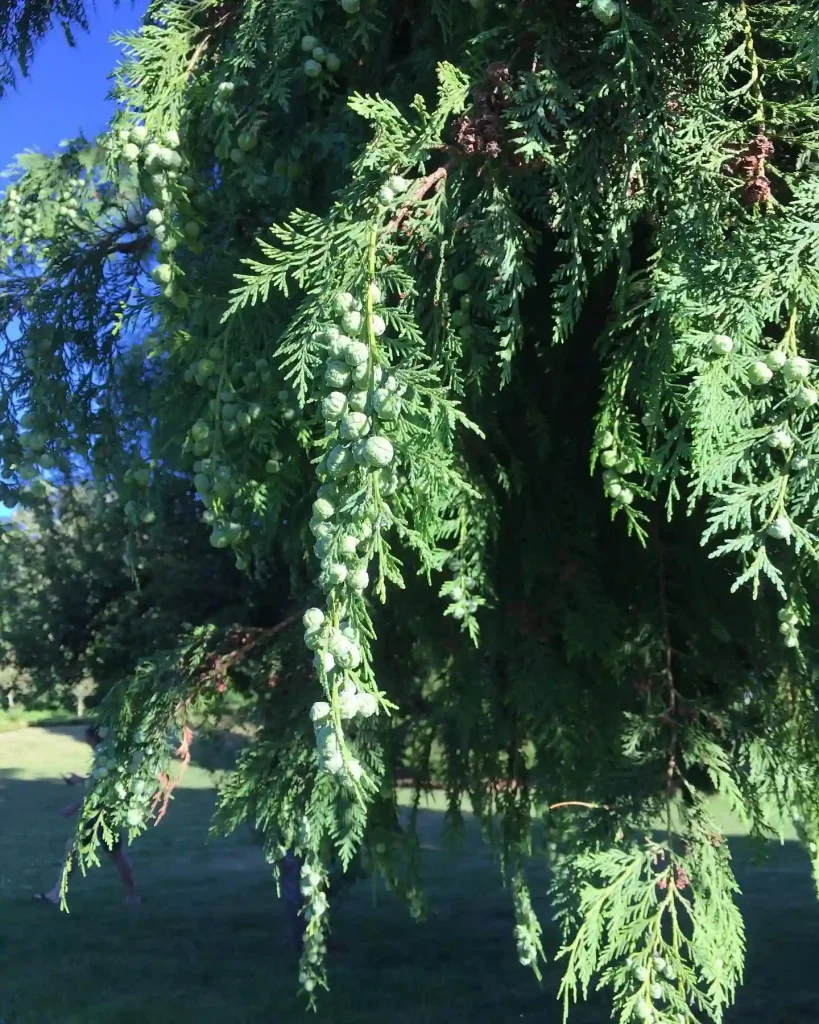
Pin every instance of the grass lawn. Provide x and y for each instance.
(18, 718)
(209, 944)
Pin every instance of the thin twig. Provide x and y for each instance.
(201, 46)
(262, 634)
(134, 245)
(183, 752)
(425, 185)
(579, 803)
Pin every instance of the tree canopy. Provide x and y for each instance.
(24, 24)
(85, 596)
(484, 337)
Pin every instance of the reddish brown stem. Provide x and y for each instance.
(422, 187)
(262, 634)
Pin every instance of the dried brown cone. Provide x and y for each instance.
(498, 74)
(674, 104)
(746, 166)
(758, 190)
(490, 127)
(761, 146)
(481, 135)
(467, 137)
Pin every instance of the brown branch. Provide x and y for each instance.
(135, 245)
(218, 663)
(260, 635)
(183, 751)
(201, 46)
(425, 185)
(409, 782)
(579, 803)
(167, 786)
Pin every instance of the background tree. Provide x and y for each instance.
(86, 596)
(25, 23)
(382, 314)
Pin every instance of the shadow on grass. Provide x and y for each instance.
(20, 718)
(210, 942)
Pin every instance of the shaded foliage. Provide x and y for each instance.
(487, 341)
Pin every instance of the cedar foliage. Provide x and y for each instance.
(493, 328)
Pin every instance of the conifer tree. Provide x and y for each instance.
(23, 25)
(494, 323)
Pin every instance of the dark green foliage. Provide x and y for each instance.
(24, 23)
(554, 238)
(79, 607)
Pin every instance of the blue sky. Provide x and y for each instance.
(67, 88)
